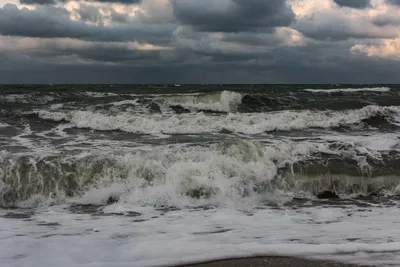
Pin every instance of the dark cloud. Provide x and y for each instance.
(251, 39)
(51, 2)
(44, 22)
(128, 2)
(37, 2)
(115, 54)
(96, 14)
(53, 22)
(337, 27)
(228, 47)
(100, 52)
(118, 17)
(394, 2)
(386, 19)
(360, 4)
(233, 15)
(90, 13)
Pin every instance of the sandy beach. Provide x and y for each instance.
(271, 262)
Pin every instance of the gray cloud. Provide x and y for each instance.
(100, 52)
(360, 4)
(37, 2)
(90, 13)
(128, 2)
(118, 17)
(229, 47)
(233, 15)
(95, 14)
(386, 19)
(51, 2)
(105, 54)
(337, 27)
(394, 2)
(45, 22)
(53, 22)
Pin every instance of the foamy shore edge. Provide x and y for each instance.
(270, 261)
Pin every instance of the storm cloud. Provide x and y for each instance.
(52, 2)
(54, 22)
(354, 3)
(233, 15)
(208, 41)
(394, 2)
(38, 2)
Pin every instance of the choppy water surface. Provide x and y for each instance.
(157, 175)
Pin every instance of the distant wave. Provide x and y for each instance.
(125, 102)
(349, 90)
(3, 125)
(99, 94)
(225, 101)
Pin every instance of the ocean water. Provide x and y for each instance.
(161, 175)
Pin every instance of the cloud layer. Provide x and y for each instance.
(208, 41)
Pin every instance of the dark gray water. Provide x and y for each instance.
(59, 142)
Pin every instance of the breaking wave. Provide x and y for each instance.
(349, 90)
(189, 175)
(224, 101)
(26, 98)
(125, 102)
(99, 94)
(244, 123)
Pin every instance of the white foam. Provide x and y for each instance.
(99, 94)
(189, 236)
(56, 133)
(34, 145)
(24, 141)
(375, 142)
(125, 102)
(56, 106)
(250, 123)
(349, 90)
(22, 98)
(26, 98)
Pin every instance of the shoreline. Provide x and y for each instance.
(271, 262)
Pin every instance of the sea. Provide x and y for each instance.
(163, 175)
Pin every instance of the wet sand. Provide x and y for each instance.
(271, 262)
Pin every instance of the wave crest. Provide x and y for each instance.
(244, 123)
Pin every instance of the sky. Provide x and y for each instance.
(200, 41)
